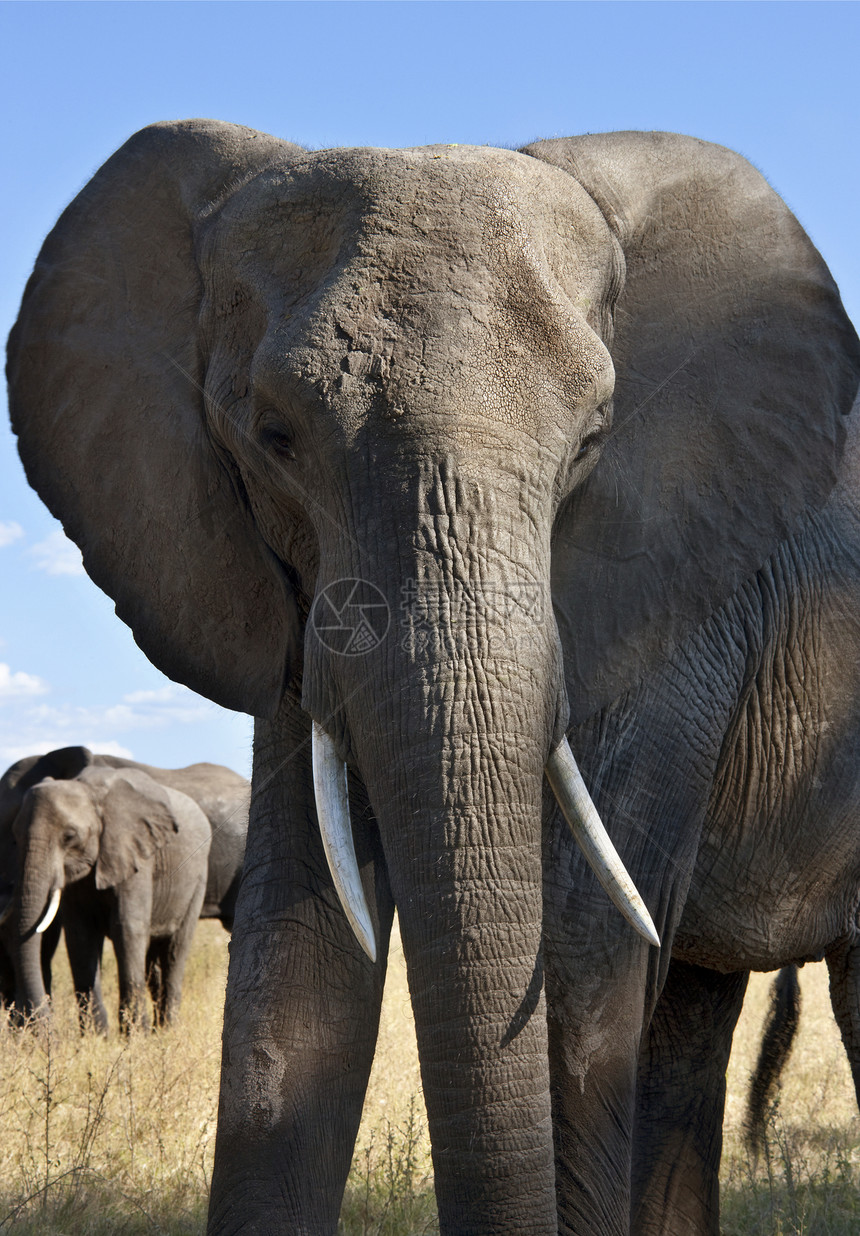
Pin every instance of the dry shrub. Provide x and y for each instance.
(113, 1135)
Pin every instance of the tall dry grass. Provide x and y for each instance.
(116, 1136)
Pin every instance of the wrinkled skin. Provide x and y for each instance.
(130, 858)
(221, 794)
(610, 372)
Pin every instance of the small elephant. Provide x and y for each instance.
(17, 779)
(448, 465)
(222, 794)
(129, 859)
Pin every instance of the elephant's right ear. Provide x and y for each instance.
(106, 379)
(736, 367)
(136, 821)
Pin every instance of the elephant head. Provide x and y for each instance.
(63, 763)
(453, 388)
(105, 822)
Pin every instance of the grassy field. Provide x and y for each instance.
(110, 1136)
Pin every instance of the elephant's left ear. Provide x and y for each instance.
(136, 821)
(106, 371)
(736, 366)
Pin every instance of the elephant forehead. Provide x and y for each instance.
(59, 798)
(414, 266)
(430, 217)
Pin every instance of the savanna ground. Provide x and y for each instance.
(116, 1136)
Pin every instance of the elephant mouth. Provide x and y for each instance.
(565, 780)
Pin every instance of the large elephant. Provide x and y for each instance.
(129, 858)
(222, 795)
(357, 416)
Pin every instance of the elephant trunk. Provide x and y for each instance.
(468, 892)
(40, 882)
(460, 825)
(452, 748)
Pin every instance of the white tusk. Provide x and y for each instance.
(585, 824)
(48, 917)
(332, 799)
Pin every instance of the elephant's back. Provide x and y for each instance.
(223, 795)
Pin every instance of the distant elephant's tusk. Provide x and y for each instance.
(48, 917)
(585, 824)
(332, 799)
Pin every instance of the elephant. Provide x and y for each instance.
(129, 858)
(222, 795)
(514, 494)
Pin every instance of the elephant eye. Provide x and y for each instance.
(277, 438)
(587, 445)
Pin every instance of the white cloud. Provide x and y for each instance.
(10, 532)
(40, 727)
(145, 710)
(57, 555)
(165, 706)
(161, 696)
(20, 685)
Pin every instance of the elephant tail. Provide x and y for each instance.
(777, 1040)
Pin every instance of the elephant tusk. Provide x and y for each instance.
(332, 801)
(580, 812)
(7, 912)
(48, 917)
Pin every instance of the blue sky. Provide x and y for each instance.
(776, 81)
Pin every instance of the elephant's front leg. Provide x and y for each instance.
(594, 1020)
(131, 922)
(174, 958)
(651, 788)
(85, 928)
(681, 1098)
(302, 1008)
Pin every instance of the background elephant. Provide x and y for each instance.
(452, 385)
(222, 795)
(129, 858)
(65, 762)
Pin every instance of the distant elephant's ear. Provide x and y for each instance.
(136, 821)
(61, 765)
(736, 366)
(106, 379)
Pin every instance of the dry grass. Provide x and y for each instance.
(111, 1136)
